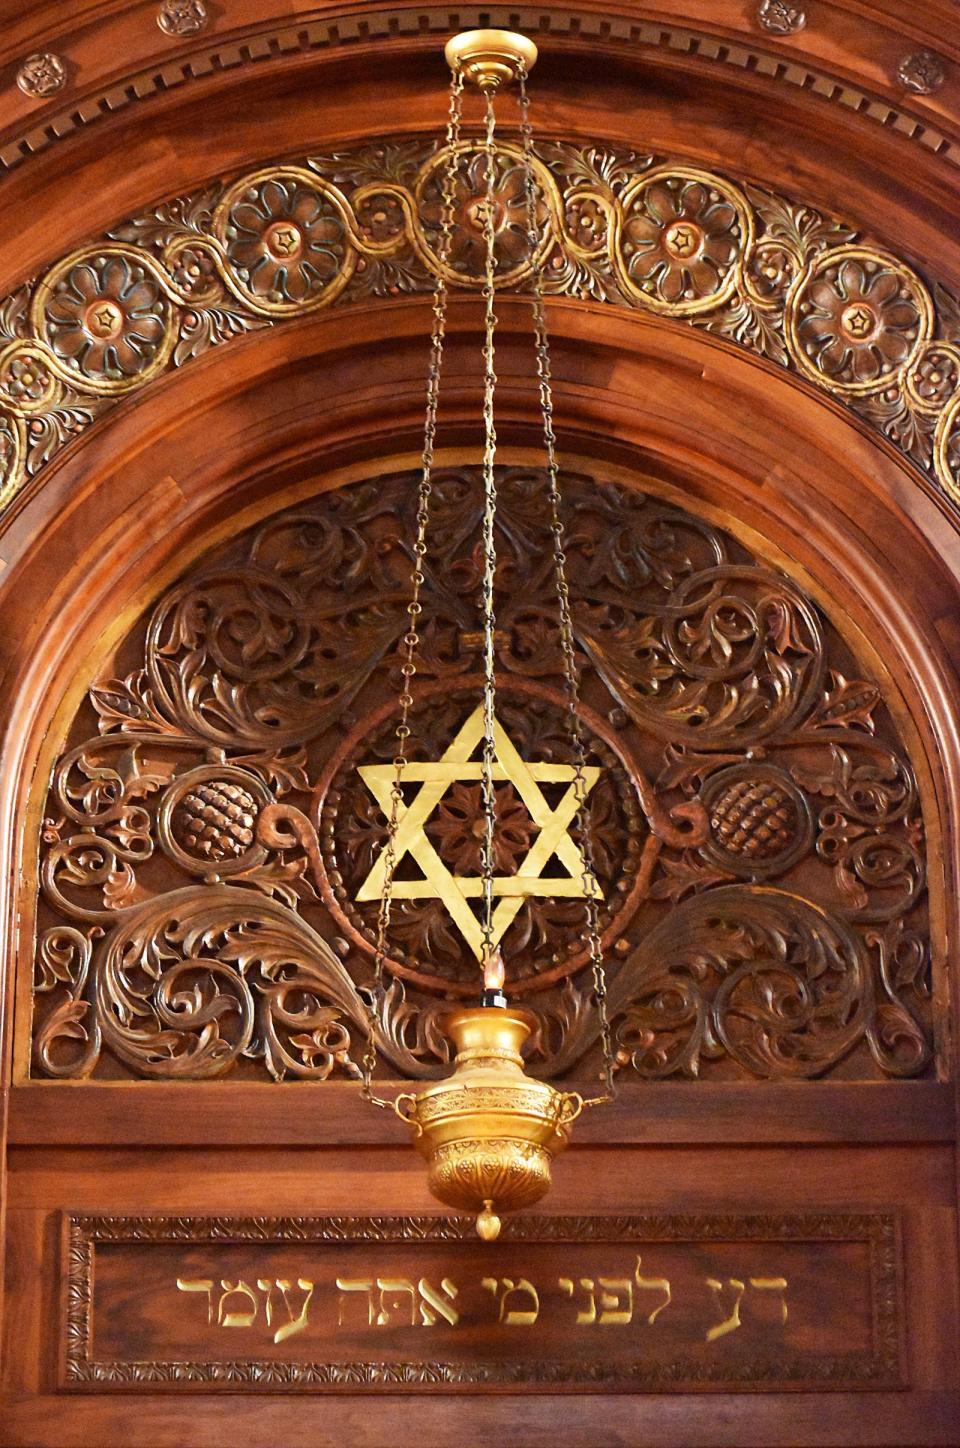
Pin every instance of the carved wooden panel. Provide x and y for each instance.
(208, 870)
(776, 277)
(669, 1303)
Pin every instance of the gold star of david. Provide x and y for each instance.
(456, 891)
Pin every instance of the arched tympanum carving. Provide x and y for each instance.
(668, 239)
(208, 860)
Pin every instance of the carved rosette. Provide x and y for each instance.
(211, 823)
(779, 279)
(42, 75)
(684, 234)
(857, 319)
(104, 320)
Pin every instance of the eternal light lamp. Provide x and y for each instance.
(489, 1131)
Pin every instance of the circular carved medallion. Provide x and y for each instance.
(467, 258)
(208, 818)
(539, 909)
(286, 239)
(106, 319)
(684, 233)
(42, 75)
(857, 320)
(759, 821)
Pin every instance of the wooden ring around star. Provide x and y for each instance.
(653, 825)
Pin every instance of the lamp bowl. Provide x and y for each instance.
(489, 1132)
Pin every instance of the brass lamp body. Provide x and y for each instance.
(489, 1132)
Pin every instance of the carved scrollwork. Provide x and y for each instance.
(771, 275)
(209, 886)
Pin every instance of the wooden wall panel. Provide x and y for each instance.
(818, 115)
(917, 1180)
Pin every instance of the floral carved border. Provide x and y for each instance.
(771, 276)
(881, 1367)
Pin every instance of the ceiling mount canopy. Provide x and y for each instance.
(490, 59)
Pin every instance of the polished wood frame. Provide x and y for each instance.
(94, 537)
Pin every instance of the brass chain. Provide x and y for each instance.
(489, 538)
(591, 886)
(411, 639)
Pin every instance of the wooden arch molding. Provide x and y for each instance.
(283, 412)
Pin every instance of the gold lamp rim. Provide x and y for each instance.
(490, 58)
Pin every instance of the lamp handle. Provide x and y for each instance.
(409, 1118)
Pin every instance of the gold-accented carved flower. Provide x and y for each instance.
(286, 239)
(770, 272)
(857, 320)
(468, 253)
(586, 221)
(380, 216)
(10, 456)
(934, 376)
(682, 238)
(106, 317)
(27, 384)
(947, 449)
(193, 270)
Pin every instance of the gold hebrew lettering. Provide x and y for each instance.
(731, 1322)
(355, 1284)
(653, 1284)
(198, 1284)
(266, 1285)
(237, 1319)
(616, 1301)
(588, 1314)
(297, 1323)
(773, 1284)
(395, 1288)
(431, 1303)
(514, 1316)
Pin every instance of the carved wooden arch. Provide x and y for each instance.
(816, 515)
(207, 450)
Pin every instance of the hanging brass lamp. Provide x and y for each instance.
(489, 1131)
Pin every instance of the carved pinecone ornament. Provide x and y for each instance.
(754, 818)
(216, 820)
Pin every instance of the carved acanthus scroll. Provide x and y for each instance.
(208, 861)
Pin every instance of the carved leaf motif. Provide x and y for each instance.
(892, 414)
(184, 214)
(14, 310)
(753, 327)
(774, 981)
(604, 168)
(206, 327)
(804, 230)
(682, 876)
(847, 704)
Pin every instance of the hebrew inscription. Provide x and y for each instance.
(616, 1302)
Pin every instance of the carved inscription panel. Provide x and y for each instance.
(211, 859)
(612, 1302)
